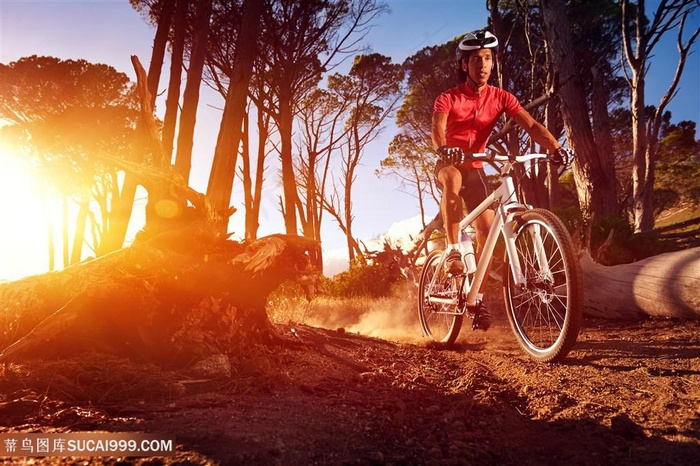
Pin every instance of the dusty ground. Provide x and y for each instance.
(629, 393)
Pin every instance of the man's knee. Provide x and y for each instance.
(451, 178)
(484, 221)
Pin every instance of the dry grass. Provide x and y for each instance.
(392, 318)
(677, 215)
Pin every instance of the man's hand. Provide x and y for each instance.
(451, 155)
(562, 156)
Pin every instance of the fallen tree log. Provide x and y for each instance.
(666, 285)
(173, 300)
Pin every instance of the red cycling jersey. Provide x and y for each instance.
(471, 116)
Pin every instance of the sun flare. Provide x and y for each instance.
(24, 231)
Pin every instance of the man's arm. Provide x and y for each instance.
(537, 132)
(438, 130)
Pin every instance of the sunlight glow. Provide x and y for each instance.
(23, 230)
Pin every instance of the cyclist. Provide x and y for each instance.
(463, 118)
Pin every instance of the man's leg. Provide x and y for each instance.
(451, 204)
(476, 192)
(483, 226)
(451, 208)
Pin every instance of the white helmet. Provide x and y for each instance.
(476, 40)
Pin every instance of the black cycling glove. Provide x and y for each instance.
(562, 156)
(450, 155)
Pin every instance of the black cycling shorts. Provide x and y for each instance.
(474, 184)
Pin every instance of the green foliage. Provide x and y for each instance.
(626, 245)
(69, 110)
(618, 252)
(566, 205)
(664, 199)
(365, 279)
(362, 281)
(65, 116)
(678, 167)
(411, 159)
(570, 215)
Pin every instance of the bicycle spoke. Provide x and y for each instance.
(540, 310)
(440, 321)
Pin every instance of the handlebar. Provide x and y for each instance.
(454, 155)
(504, 158)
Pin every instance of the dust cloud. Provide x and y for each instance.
(387, 318)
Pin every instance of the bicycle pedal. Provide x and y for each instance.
(481, 322)
(481, 318)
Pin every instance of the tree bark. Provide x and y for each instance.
(188, 117)
(159, 43)
(231, 129)
(65, 247)
(601, 120)
(638, 46)
(662, 286)
(636, 59)
(595, 178)
(171, 300)
(253, 198)
(289, 184)
(80, 223)
(122, 207)
(176, 58)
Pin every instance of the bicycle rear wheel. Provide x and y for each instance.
(440, 321)
(546, 313)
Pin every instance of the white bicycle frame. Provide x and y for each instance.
(505, 196)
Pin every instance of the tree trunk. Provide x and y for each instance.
(159, 43)
(349, 178)
(639, 146)
(289, 184)
(172, 101)
(168, 193)
(188, 117)
(65, 249)
(553, 196)
(638, 46)
(231, 129)
(122, 207)
(51, 244)
(79, 235)
(665, 286)
(254, 197)
(246, 172)
(593, 172)
(601, 120)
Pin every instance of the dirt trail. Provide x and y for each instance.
(629, 393)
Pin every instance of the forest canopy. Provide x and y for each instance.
(286, 106)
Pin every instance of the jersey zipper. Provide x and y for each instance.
(476, 114)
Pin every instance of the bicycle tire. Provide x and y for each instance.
(440, 322)
(547, 313)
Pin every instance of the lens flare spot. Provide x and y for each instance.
(167, 208)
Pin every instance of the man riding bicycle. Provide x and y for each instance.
(463, 119)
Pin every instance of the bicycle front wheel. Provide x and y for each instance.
(546, 312)
(441, 321)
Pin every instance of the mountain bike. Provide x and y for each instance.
(542, 280)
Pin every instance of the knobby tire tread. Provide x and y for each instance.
(574, 309)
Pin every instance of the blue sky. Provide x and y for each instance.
(110, 31)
